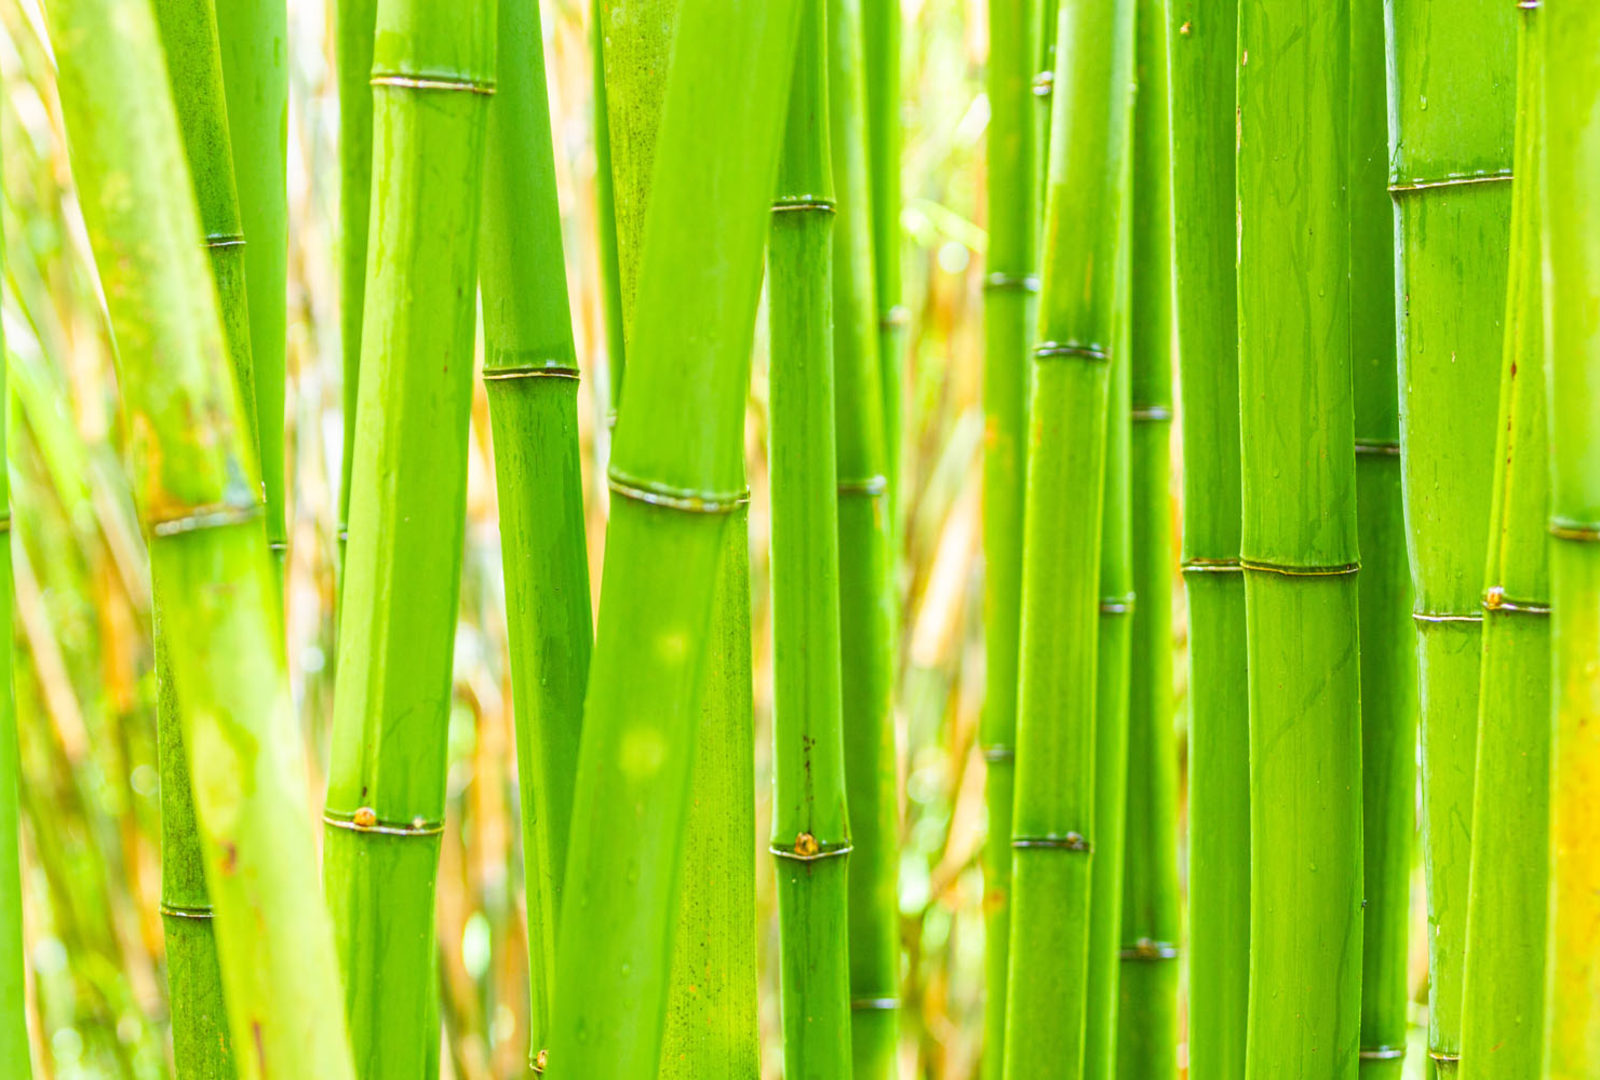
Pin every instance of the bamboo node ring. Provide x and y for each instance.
(1382, 1053)
(999, 282)
(1447, 617)
(1044, 83)
(214, 516)
(224, 240)
(1049, 350)
(1300, 571)
(807, 848)
(1150, 949)
(999, 753)
(435, 82)
(179, 911)
(365, 820)
(550, 369)
(1569, 529)
(670, 498)
(5, 522)
(1071, 841)
(798, 203)
(1528, 5)
(1401, 187)
(899, 315)
(1117, 605)
(1211, 566)
(867, 485)
(874, 1004)
(1381, 447)
(1145, 414)
(1495, 599)
(1446, 1060)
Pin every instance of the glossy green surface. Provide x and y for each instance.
(880, 35)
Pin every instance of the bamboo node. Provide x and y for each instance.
(998, 282)
(1445, 1060)
(807, 848)
(874, 1004)
(549, 369)
(224, 240)
(1336, 570)
(212, 516)
(868, 485)
(1447, 617)
(897, 316)
(1570, 529)
(800, 203)
(1382, 1053)
(1117, 605)
(179, 911)
(1495, 599)
(1381, 447)
(1211, 566)
(1071, 841)
(993, 754)
(1401, 187)
(1528, 5)
(1044, 83)
(671, 498)
(1049, 350)
(805, 845)
(5, 522)
(366, 820)
(1150, 949)
(1145, 414)
(540, 1060)
(435, 82)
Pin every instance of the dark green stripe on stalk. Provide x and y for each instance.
(1053, 832)
(1299, 544)
(433, 72)
(606, 216)
(1503, 982)
(880, 35)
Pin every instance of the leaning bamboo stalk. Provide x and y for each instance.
(1571, 245)
(1053, 827)
(433, 72)
(1147, 1014)
(1011, 286)
(1388, 641)
(531, 376)
(198, 490)
(1298, 547)
(866, 608)
(200, 1044)
(1503, 983)
(880, 36)
(1203, 63)
(1451, 83)
(677, 480)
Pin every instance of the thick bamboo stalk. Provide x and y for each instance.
(531, 375)
(1571, 244)
(199, 492)
(810, 826)
(1450, 142)
(1203, 62)
(1147, 1016)
(433, 74)
(1298, 546)
(880, 36)
(866, 607)
(677, 476)
(200, 1045)
(1053, 829)
(1503, 983)
(254, 35)
(1011, 287)
(1388, 642)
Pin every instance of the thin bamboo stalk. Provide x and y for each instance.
(1203, 63)
(254, 36)
(1053, 830)
(200, 1045)
(1503, 983)
(1388, 641)
(198, 491)
(1451, 83)
(1147, 1015)
(1011, 289)
(1571, 246)
(1298, 547)
(433, 72)
(677, 479)
(531, 376)
(866, 607)
(606, 217)
(880, 36)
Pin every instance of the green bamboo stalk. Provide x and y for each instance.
(1388, 642)
(200, 1046)
(677, 476)
(254, 36)
(810, 827)
(1450, 142)
(1009, 308)
(531, 376)
(606, 217)
(198, 491)
(1298, 547)
(1503, 983)
(880, 36)
(1571, 246)
(1147, 1016)
(1053, 830)
(433, 72)
(866, 607)
(1204, 59)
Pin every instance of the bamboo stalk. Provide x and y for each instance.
(531, 376)
(1298, 547)
(1009, 308)
(1450, 143)
(1503, 982)
(1147, 1015)
(677, 478)
(1388, 641)
(1204, 60)
(433, 73)
(880, 36)
(200, 1044)
(866, 607)
(1571, 247)
(606, 217)
(1053, 830)
(198, 491)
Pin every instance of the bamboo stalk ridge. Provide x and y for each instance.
(198, 491)
(432, 76)
(866, 598)
(1053, 828)
(531, 376)
(200, 1044)
(1299, 542)
(1571, 259)
(1451, 84)
(1010, 302)
(1503, 983)
(1204, 59)
(880, 35)
(1388, 641)
(1147, 1014)
(677, 480)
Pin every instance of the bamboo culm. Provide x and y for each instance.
(880, 35)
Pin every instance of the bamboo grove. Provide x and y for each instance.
(1274, 481)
